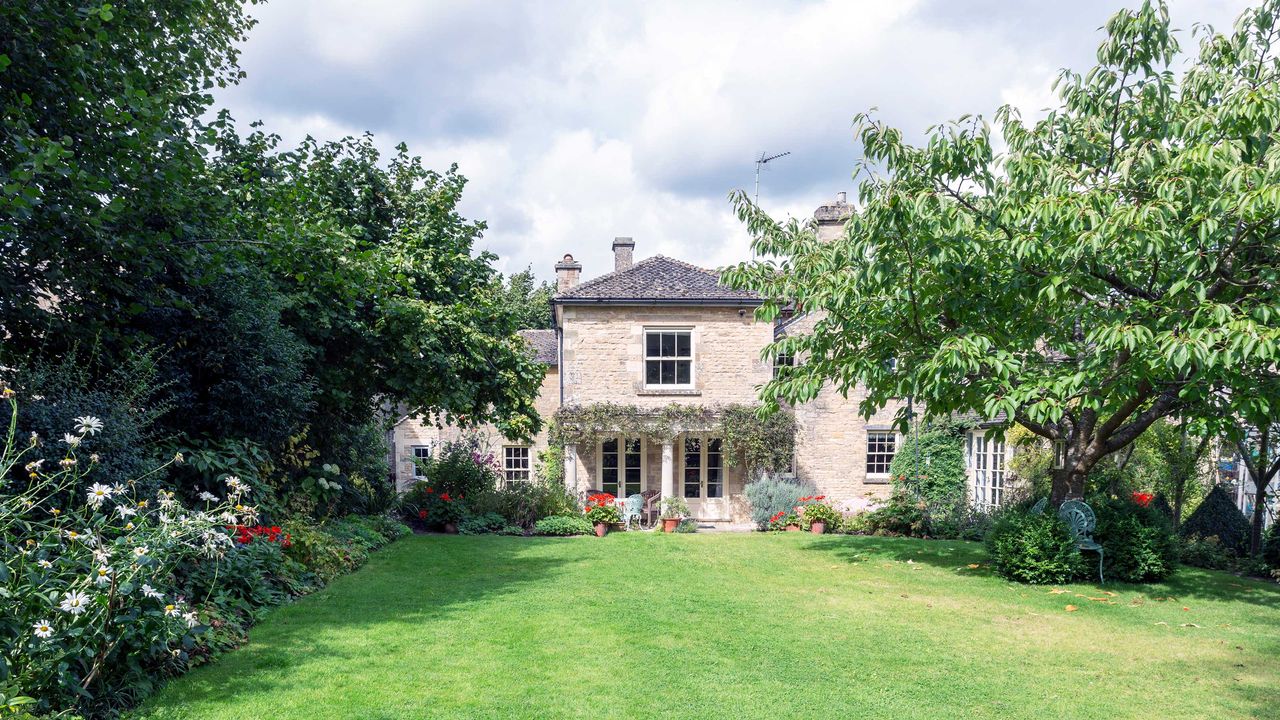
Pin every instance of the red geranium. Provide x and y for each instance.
(1143, 499)
(422, 514)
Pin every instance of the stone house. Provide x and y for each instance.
(661, 331)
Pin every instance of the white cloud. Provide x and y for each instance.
(576, 122)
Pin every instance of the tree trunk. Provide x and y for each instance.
(1179, 498)
(1068, 484)
(1259, 510)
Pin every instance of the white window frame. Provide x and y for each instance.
(893, 436)
(989, 466)
(704, 467)
(517, 473)
(620, 490)
(414, 457)
(782, 360)
(646, 359)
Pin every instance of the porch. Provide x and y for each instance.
(690, 464)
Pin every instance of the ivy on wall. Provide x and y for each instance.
(758, 444)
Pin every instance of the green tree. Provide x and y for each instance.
(1116, 263)
(529, 300)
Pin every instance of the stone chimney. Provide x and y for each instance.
(831, 217)
(622, 250)
(567, 273)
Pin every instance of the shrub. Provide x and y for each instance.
(481, 524)
(1206, 553)
(771, 494)
(323, 554)
(563, 525)
(1137, 539)
(1271, 546)
(511, 530)
(91, 609)
(900, 516)
(433, 508)
(1034, 549)
(687, 525)
(524, 504)
(1219, 517)
(462, 468)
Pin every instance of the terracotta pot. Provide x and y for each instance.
(792, 528)
(602, 529)
(670, 524)
(817, 528)
(451, 528)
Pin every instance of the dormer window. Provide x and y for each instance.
(668, 358)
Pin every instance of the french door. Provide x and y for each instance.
(702, 477)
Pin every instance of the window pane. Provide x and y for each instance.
(610, 446)
(652, 344)
(683, 345)
(682, 372)
(668, 344)
(652, 369)
(668, 372)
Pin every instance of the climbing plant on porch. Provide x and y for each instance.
(759, 445)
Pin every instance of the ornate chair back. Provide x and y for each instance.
(1080, 518)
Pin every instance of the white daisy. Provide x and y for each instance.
(72, 440)
(44, 563)
(88, 425)
(67, 463)
(103, 575)
(171, 610)
(125, 511)
(98, 493)
(74, 602)
(191, 619)
(234, 483)
(148, 591)
(208, 496)
(42, 629)
(140, 551)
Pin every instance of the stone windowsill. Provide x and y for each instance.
(684, 392)
(876, 480)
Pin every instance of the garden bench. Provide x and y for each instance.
(1080, 519)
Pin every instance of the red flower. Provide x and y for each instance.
(422, 514)
(820, 498)
(1143, 499)
(445, 497)
(430, 490)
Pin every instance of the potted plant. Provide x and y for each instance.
(783, 520)
(819, 515)
(601, 512)
(674, 510)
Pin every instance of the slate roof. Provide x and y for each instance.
(660, 281)
(543, 343)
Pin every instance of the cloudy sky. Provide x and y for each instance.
(579, 121)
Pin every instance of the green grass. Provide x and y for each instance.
(739, 626)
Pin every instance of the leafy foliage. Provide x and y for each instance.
(772, 494)
(1219, 517)
(526, 298)
(1119, 258)
(563, 525)
(931, 466)
(1138, 542)
(1036, 549)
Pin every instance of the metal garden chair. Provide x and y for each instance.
(631, 508)
(1080, 519)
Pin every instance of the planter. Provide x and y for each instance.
(792, 528)
(602, 529)
(451, 528)
(817, 528)
(670, 524)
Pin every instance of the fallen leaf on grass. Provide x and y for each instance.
(1056, 591)
(1190, 625)
(1109, 593)
(1072, 608)
(1162, 623)
(974, 566)
(1186, 609)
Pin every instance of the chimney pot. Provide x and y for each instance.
(568, 271)
(623, 249)
(840, 198)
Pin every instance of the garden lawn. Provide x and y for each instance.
(739, 626)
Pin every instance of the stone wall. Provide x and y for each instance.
(603, 359)
(411, 432)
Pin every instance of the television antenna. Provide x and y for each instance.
(764, 159)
